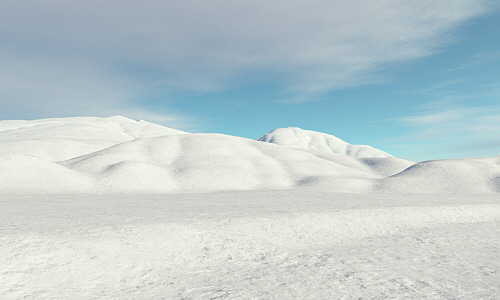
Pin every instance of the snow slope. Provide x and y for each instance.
(65, 138)
(28, 174)
(120, 155)
(209, 162)
(312, 140)
(450, 176)
(329, 147)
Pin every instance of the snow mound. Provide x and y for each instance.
(210, 162)
(329, 147)
(307, 139)
(27, 174)
(378, 166)
(449, 176)
(64, 138)
(120, 155)
(385, 166)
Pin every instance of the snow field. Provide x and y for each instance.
(274, 244)
(112, 208)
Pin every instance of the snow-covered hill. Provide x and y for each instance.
(64, 138)
(312, 140)
(120, 155)
(208, 162)
(103, 233)
(447, 176)
(331, 148)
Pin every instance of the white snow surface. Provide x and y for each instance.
(59, 139)
(120, 155)
(103, 208)
(312, 140)
(288, 244)
(456, 176)
(204, 162)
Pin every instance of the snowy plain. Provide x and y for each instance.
(250, 245)
(112, 208)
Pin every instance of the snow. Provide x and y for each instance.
(329, 147)
(291, 244)
(28, 174)
(308, 139)
(205, 162)
(114, 208)
(451, 176)
(120, 155)
(59, 139)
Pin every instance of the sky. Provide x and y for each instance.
(417, 79)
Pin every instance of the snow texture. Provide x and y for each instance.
(120, 155)
(289, 244)
(65, 138)
(307, 139)
(103, 208)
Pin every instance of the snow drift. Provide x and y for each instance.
(120, 155)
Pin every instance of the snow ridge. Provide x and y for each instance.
(120, 155)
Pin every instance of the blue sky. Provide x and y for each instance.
(418, 79)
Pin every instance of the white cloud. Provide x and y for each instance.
(31, 88)
(461, 128)
(97, 56)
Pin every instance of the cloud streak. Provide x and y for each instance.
(101, 55)
(464, 129)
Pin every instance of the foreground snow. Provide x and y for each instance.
(301, 244)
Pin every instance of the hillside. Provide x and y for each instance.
(120, 155)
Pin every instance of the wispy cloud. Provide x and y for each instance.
(438, 88)
(463, 128)
(76, 57)
(30, 88)
(477, 60)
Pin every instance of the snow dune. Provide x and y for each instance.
(60, 139)
(120, 155)
(312, 140)
(329, 147)
(28, 174)
(206, 162)
(454, 176)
